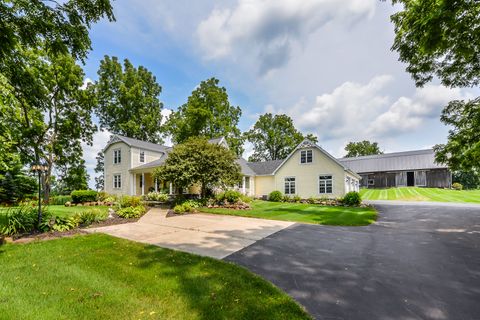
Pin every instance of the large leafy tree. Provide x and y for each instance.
(128, 100)
(16, 184)
(274, 137)
(441, 38)
(99, 169)
(51, 124)
(197, 161)
(362, 148)
(72, 177)
(207, 113)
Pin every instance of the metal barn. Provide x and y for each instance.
(400, 169)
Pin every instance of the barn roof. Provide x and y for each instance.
(398, 161)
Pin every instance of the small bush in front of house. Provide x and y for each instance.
(131, 212)
(18, 220)
(59, 200)
(87, 217)
(457, 186)
(179, 209)
(275, 196)
(287, 198)
(230, 196)
(296, 198)
(352, 198)
(81, 196)
(102, 195)
(245, 198)
(129, 201)
(157, 196)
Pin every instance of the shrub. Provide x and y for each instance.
(59, 200)
(157, 196)
(230, 196)
(131, 212)
(296, 198)
(352, 198)
(56, 223)
(246, 199)
(110, 199)
(129, 201)
(457, 186)
(179, 209)
(80, 196)
(286, 198)
(275, 196)
(18, 220)
(102, 195)
(90, 216)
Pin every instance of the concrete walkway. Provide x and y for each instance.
(210, 235)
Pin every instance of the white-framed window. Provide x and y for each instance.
(290, 187)
(306, 156)
(117, 181)
(117, 156)
(142, 156)
(325, 184)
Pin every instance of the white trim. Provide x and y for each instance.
(140, 153)
(120, 181)
(318, 183)
(114, 156)
(306, 156)
(290, 186)
(143, 183)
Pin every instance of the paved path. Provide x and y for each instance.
(417, 262)
(204, 234)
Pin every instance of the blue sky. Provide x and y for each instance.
(325, 63)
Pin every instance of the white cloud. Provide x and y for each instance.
(86, 82)
(355, 111)
(269, 30)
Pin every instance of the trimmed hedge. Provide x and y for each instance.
(80, 196)
(59, 200)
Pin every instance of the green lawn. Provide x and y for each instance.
(102, 277)
(299, 212)
(421, 194)
(63, 211)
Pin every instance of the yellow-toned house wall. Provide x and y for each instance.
(111, 169)
(149, 156)
(263, 185)
(307, 175)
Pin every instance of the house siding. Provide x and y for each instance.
(263, 185)
(149, 156)
(111, 169)
(307, 175)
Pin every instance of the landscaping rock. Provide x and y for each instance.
(111, 213)
(68, 204)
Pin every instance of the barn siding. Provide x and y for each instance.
(435, 178)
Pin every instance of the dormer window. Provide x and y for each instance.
(306, 156)
(142, 156)
(117, 156)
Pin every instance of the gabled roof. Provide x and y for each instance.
(244, 165)
(136, 143)
(265, 167)
(397, 161)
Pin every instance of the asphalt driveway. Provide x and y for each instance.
(417, 262)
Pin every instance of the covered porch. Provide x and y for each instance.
(142, 182)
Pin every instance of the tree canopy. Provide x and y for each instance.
(439, 38)
(207, 113)
(197, 161)
(128, 100)
(362, 148)
(462, 152)
(274, 137)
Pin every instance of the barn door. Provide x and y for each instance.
(401, 179)
(421, 178)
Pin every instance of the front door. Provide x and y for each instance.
(410, 179)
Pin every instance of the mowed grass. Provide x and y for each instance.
(63, 211)
(300, 212)
(102, 277)
(421, 194)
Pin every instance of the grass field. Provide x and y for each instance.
(299, 212)
(63, 211)
(421, 194)
(102, 277)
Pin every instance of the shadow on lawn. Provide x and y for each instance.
(215, 290)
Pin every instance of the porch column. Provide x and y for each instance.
(171, 188)
(134, 184)
(143, 183)
(243, 184)
(156, 186)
